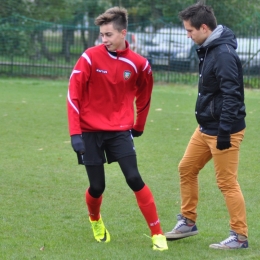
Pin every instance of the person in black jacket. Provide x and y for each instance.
(220, 113)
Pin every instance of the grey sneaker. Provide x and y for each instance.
(232, 242)
(182, 229)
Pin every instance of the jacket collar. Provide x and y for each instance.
(120, 52)
(214, 35)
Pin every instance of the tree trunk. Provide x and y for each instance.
(92, 33)
(83, 39)
(44, 49)
(67, 41)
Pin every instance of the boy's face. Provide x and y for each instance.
(113, 39)
(198, 36)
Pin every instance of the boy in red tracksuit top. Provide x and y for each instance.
(103, 86)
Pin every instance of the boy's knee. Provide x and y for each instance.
(135, 183)
(96, 190)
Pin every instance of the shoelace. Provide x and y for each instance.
(180, 223)
(147, 236)
(229, 239)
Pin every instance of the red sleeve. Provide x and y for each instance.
(143, 96)
(78, 80)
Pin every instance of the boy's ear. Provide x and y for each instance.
(123, 32)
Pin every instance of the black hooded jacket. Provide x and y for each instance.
(220, 107)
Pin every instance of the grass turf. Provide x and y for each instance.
(42, 208)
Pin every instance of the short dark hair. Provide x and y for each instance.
(116, 15)
(199, 14)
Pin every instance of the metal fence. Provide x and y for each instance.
(35, 48)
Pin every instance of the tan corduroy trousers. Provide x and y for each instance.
(200, 150)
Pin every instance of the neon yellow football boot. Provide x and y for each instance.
(100, 232)
(159, 242)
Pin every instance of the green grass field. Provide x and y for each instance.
(42, 206)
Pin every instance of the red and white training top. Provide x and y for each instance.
(103, 88)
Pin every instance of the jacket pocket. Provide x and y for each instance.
(212, 109)
(216, 107)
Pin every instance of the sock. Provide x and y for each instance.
(93, 205)
(190, 222)
(147, 206)
(241, 238)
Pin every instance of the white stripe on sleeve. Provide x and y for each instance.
(146, 65)
(74, 71)
(85, 56)
(71, 103)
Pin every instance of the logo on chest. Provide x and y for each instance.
(127, 74)
(101, 71)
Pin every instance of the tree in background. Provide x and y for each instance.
(23, 22)
(233, 13)
(241, 16)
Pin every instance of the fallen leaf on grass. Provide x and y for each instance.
(43, 247)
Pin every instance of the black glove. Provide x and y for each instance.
(223, 141)
(77, 144)
(136, 133)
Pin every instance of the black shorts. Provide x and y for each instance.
(105, 146)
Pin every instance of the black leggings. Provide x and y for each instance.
(128, 165)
